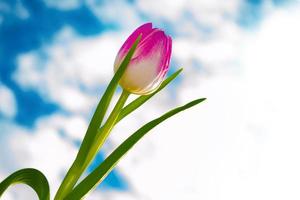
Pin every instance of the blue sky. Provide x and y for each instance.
(33, 31)
(20, 34)
(28, 25)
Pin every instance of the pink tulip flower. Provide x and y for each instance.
(150, 62)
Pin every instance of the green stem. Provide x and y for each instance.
(79, 166)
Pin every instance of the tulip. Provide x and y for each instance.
(150, 62)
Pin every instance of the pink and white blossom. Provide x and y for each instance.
(150, 62)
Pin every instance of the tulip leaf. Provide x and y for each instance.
(110, 162)
(96, 121)
(106, 98)
(142, 99)
(31, 177)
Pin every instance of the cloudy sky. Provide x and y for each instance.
(56, 58)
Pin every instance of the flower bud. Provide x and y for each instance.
(150, 62)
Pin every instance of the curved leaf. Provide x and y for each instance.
(31, 177)
(109, 163)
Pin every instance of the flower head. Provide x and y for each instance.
(150, 62)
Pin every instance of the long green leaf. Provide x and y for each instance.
(109, 163)
(75, 171)
(31, 177)
(106, 98)
(142, 99)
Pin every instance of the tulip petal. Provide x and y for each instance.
(143, 30)
(132, 79)
(153, 42)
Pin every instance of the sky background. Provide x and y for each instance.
(56, 58)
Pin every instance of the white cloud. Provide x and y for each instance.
(19, 191)
(41, 148)
(189, 153)
(272, 65)
(127, 17)
(192, 17)
(8, 106)
(72, 126)
(75, 72)
(63, 4)
(167, 9)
